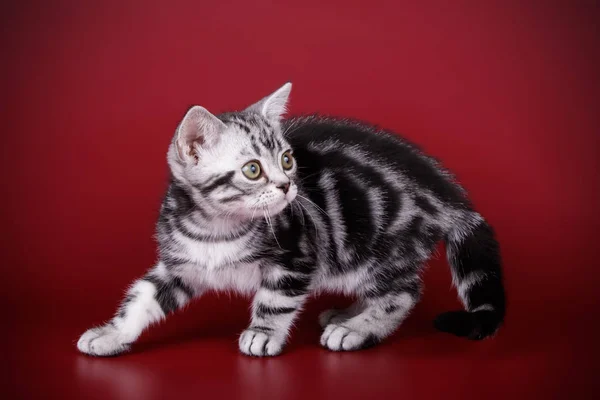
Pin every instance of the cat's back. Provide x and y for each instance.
(368, 155)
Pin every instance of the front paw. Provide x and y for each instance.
(257, 343)
(102, 341)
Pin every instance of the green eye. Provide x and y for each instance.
(287, 161)
(252, 170)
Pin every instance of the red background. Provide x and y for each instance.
(506, 93)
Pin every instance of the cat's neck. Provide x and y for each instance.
(220, 226)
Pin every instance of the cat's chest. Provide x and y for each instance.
(241, 277)
(216, 254)
(221, 265)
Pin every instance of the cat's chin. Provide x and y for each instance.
(279, 207)
(273, 210)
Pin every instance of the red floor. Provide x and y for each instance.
(506, 93)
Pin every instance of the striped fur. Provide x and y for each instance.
(359, 213)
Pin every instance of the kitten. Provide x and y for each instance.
(286, 208)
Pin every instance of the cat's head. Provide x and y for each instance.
(237, 164)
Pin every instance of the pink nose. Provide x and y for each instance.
(285, 187)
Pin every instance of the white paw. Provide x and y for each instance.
(102, 341)
(339, 338)
(332, 316)
(257, 343)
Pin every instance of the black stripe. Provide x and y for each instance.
(356, 214)
(255, 146)
(250, 258)
(263, 310)
(222, 181)
(122, 308)
(303, 267)
(178, 283)
(279, 143)
(242, 191)
(391, 308)
(262, 328)
(411, 233)
(290, 285)
(343, 164)
(183, 201)
(171, 260)
(407, 281)
(424, 204)
(267, 139)
(164, 294)
(178, 224)
(231, 198)
(271, 134)
(243, 126)
(430, 236)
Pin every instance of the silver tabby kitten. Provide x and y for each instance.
(287, 208)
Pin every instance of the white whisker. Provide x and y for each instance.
(313, 203)
(270, 223)
(310, 216)
(255, 207)
(300, 211)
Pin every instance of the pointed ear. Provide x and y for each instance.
(198, 128)
(273, 106)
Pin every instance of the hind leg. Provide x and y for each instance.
(381, 311)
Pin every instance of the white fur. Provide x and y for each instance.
(140, 312)
(243, 278)
(339, 337)
(253, 342)
(115, 337)
(484, 307)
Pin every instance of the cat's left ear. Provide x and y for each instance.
(273, 106)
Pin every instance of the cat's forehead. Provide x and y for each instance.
(259, 136)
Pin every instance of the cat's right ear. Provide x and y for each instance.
(199, 128)
(273, 106)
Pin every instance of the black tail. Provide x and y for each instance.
(474, 256)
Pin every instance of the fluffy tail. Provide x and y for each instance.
(474, 257)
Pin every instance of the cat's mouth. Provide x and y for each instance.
(291, 194)
(279, 206)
